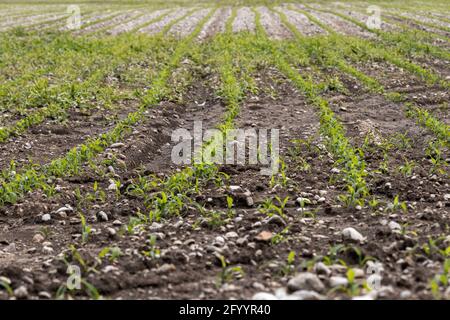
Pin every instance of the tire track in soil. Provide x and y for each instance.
(301, 22)
(386, 246)
(289, 112)
(385, 26)
(216, 24)
(365, 113)
(340, 25)
(130, 14)
(149, 146)
(414, 90)
(91, 19)
(24, 22)
(423, 18)
(244, 21)
(135, 23)
(413, 24)
(55, 25)
(273, 24)
(51, 139)
(158, 26)
(186, 26)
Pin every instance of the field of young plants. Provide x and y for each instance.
(93, 206)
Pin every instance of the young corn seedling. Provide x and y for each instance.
(153, 251)
(397, 205)
(269, 208)
(288, 268)
(230, 211)
(280, 237)
(228, 273)
(407, 168)
(85, 229)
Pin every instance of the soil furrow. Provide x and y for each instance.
(187, 25)
(135, 23)
(244, 21)
(273, 24)
(158, 26)
(301, 22)
(216, 24)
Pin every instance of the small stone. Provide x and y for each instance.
(338, 282)
(264, 296)
(231, 234)
(166, 268)
(277, 220)
(117, 223)
(305, 281)
(305, 295)
(249, 201)
(258, 286)
(102, 216)
(44, 295)
(47, 250)
(21, 292)
(405, 294)
(155, 226)
(321, 268)
(66, 208)
(394, 226)
(241, 241)
(111, 232)
(219, 240)
(46, 217)
(447, 197)
(352, 234)
(264, 236)
(11, 247)
(236, 189)
(117, 145)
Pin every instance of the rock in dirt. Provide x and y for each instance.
(305, 295)
(352, 234)
(231, 234)
(111, 231)
(394, 226)
(66, 208)
(38, 238)
(166, 268)
(21, 292)
(338, 282)
(264, 236)
(321, 268)
(46, 217)
(264, 296)
(102, 216)
(277, 220)
(305, 281)
(117, 145)
(47, 250)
